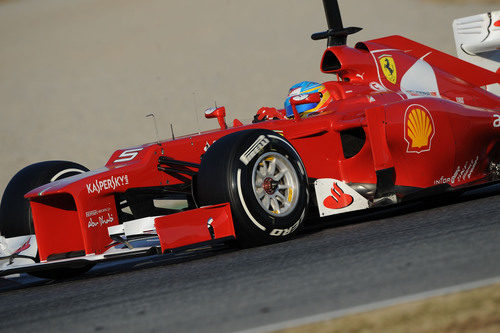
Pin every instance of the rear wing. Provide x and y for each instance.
(477, 39)
(461, 69)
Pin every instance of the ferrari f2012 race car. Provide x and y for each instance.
(400, 121)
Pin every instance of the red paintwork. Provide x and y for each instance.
(190, 227)
(267, 113)
(460, 112)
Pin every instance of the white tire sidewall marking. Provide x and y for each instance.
(254, 149)
(242, 200)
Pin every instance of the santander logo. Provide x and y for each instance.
(339, 199)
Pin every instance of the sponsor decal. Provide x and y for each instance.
(111, 183)
(496, 120)
(388, 68)
(92, 224)
(338, 199)
(97, 212)
(295, 92)
(461, 174)
(377, 87)
(300, 97)
(254, 149)
(418, 93)
(419, 129)
(335, 197)
(460, 100)
(24, 247)
(100, 221)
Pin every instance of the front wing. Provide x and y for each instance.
(142, 237)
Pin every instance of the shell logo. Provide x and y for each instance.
(419, 129)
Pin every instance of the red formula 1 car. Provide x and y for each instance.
(401, 121)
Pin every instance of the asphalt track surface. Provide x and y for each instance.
(388, 254)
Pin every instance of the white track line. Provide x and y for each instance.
(372, 306)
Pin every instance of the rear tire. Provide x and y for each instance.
(262, 177)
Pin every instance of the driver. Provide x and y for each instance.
(305, 110)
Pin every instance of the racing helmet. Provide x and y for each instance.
(307, 87)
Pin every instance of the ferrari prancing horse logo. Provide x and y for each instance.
(389, 68)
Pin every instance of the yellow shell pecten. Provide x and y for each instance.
(419, 127)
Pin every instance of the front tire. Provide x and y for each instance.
(15, 212)
(263, 178)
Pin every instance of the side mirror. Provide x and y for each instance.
(303, 99)
(219, 113)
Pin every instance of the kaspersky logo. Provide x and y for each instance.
(419, 129)
(388, 68)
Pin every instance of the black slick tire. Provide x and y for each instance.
(263, 178)
(15, 213)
